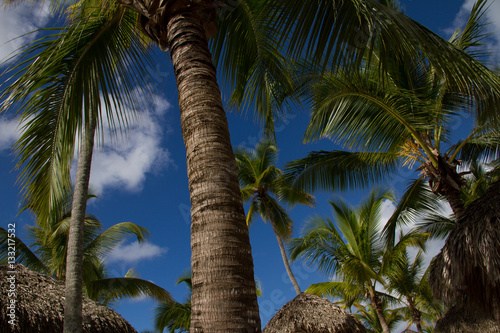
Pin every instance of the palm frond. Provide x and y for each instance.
(340, 170)
(110, 289)
(99, 57)
(105, 242)
(416, 201)
(22, 253)
(257, 75)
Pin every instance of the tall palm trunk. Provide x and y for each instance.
(224, 292)
(74, 259)
(283, 252)
(376, 304)
(285, 261)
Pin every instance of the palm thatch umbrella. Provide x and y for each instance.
(467, 270)
(39, 303)
(309, 313)
(462, 319)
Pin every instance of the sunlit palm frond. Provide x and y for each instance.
(348, 292)
(361, 112)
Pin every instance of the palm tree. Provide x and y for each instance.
(403, 116)
(263, 185)
(173, 315)
(409, 282)
(245, 48)
(68, 81)
(352, 249)
(47, 254)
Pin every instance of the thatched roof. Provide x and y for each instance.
(39, 306)
(467, 270)
(466, 320)
(308, 313)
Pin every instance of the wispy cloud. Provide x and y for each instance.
(15, 22)
(9, 133)
(134, 252)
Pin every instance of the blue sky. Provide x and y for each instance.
(142, 178)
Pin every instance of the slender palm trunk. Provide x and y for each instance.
(74, 259)
(375, 301)
(283, 252)
(285, 261)
(224, 292)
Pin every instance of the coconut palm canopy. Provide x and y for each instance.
(39, 306)
(310, 313)
(467, 270)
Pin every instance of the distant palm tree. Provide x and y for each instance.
(48, 251)
(264, 187)
(408, 281)
(352, 250)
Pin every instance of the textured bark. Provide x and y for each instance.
(375, 301)
(224, 292)
(74, 259)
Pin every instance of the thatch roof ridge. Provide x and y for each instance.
(467, 270)
(39, 306)
(308, 313)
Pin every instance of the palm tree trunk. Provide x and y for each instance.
(456, 204)
(74, 259)
(285, 261)
(416, 315)
(375, 301)
(283, 252)
(224, 292)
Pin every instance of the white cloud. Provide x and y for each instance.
(124, 161)
(16, 21)
(9, 133)
(135, 252)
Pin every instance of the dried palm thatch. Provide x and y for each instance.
(39, 303)
(308, 313)
(462, 319)
(467, 270)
